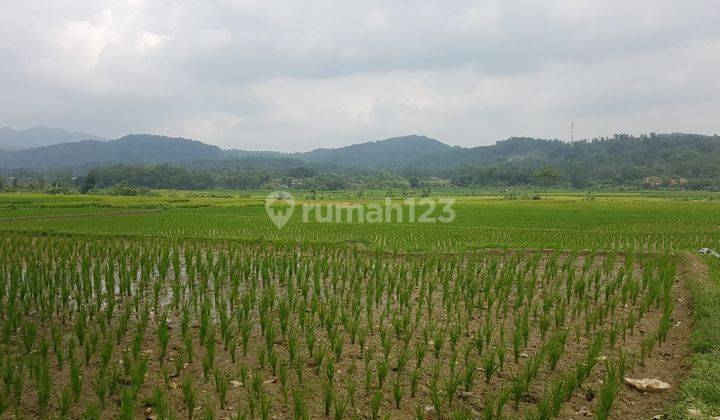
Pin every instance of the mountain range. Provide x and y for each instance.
(689, 155)
(145, 149)
(38, 137)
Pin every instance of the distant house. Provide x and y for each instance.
(652, 182)
(656, 182)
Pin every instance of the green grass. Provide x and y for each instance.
(701, 391)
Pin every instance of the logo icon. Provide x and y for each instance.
(279, 206)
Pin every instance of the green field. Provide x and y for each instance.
(194, 305)
(613, 222)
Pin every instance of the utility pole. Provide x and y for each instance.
(572, 131)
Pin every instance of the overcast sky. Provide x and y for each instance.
(295, 75)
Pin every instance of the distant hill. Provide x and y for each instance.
(390, 153)
(661, 151)
(150, 149)
(131, 149)
(39, 136)
(511, 161)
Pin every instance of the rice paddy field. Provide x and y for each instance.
(198, 306)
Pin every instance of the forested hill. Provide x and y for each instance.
(507, 162)
(654, 150)
(150, 149)
(131, 149)
(620, 160)
(390, 153)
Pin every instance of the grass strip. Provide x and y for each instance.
(699, 396)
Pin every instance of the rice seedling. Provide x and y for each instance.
(28, 334)
(451, 386)
(189, 392)
(382, 371)
(163, 332)
(328, 396)
(127, 404)
(397, 392)
(414, 379)
(435, 396)
(615, 371)
(490, 365)
(160, 404)
(222, 382)
(208, 362)
(339, 408)
(75, 379)
(304, 313)
(300, 409)
(469, 375)
(209, 412)
(101, 389)
(91, 412)
(375, 404)
(64, 401)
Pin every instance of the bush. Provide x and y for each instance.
(127, 190)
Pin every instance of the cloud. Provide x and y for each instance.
(296, 75)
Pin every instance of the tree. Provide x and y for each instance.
(414, 182)
(88, 183)
(577, 175)
(546, 176)
(301, 172)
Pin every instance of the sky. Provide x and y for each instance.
(296, 75)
